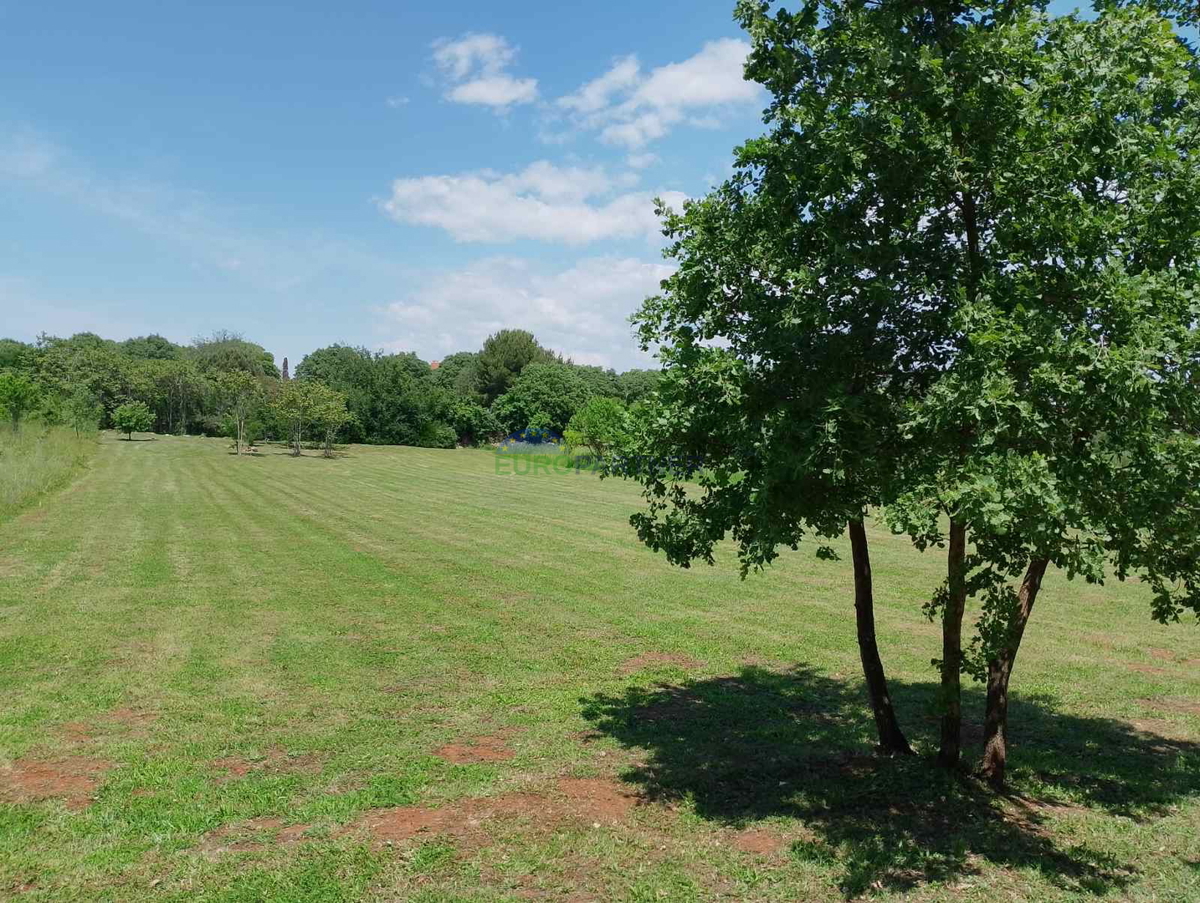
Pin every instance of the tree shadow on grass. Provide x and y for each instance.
(798, 744)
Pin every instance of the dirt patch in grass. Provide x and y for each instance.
(1173, 704)
(251, 836)
(464, 819)
(1163, 655)
(759, 842)
(657, 659)
(276, 759)
(493, 748)
(73, 779)
(598, 799)
(136, 719)
(577, 800)
(76, 731)
(1145, 669)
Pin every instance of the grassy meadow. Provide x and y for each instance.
(38, 460)
(400, 675)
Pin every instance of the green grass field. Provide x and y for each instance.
(397, 675)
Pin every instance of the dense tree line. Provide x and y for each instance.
(226, 385)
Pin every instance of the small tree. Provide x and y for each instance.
(602, 424)
(294, 406)
(329, 414)
(241, 394)
(17, 396)
(82, 410)
(133, 417)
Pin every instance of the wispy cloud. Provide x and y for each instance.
(573, 205)
(581, 310)
(631, 108)
(215, 237)
(475, 68)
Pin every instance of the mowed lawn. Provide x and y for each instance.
(399, 675)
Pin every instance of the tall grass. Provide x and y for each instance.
(37, 460)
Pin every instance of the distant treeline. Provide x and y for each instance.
(510, 384)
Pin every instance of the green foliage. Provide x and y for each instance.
(601, 424)
(18, 394)
(437, 435)
(241, 395)
(544, 395)
(152, 348)
(472, 423)
(502, 359)
(329, 413)
(132, 417)
(294, 406)
(599, 381)
(15, 355)
(82, 411)
(637, 385)
(459, 374)
(225, 350)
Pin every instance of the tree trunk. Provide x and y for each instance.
(952, 617)
(995, 726)
(891, 738)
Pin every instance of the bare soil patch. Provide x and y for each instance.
(759, 842)
(1174, 704)
(493, 748)
(73, 779)
(657, 659)
(1163, 655)
(598, 799)
(587, 800)
(133, 718)
(1145, 669)
(76, 731)
(463, 819)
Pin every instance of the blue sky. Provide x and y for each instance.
(408, 177)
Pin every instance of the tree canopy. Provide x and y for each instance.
(956, 279)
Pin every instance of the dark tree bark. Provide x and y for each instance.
(952, 617)
(995, 726)
(891, 738)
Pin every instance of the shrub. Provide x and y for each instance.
(133, 417)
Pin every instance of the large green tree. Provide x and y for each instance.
(937, 244)
(503, 356)
(544, 396)
(1065, 431)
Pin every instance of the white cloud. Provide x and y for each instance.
(641, 161)
(631, 109)
(596, 94)
(582, 310)
(574, 205)
(711, 77)
(395, 102)
(475, 66)
(498, 91)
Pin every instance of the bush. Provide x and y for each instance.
(133, 417)
(437, 435)
(602, 424)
